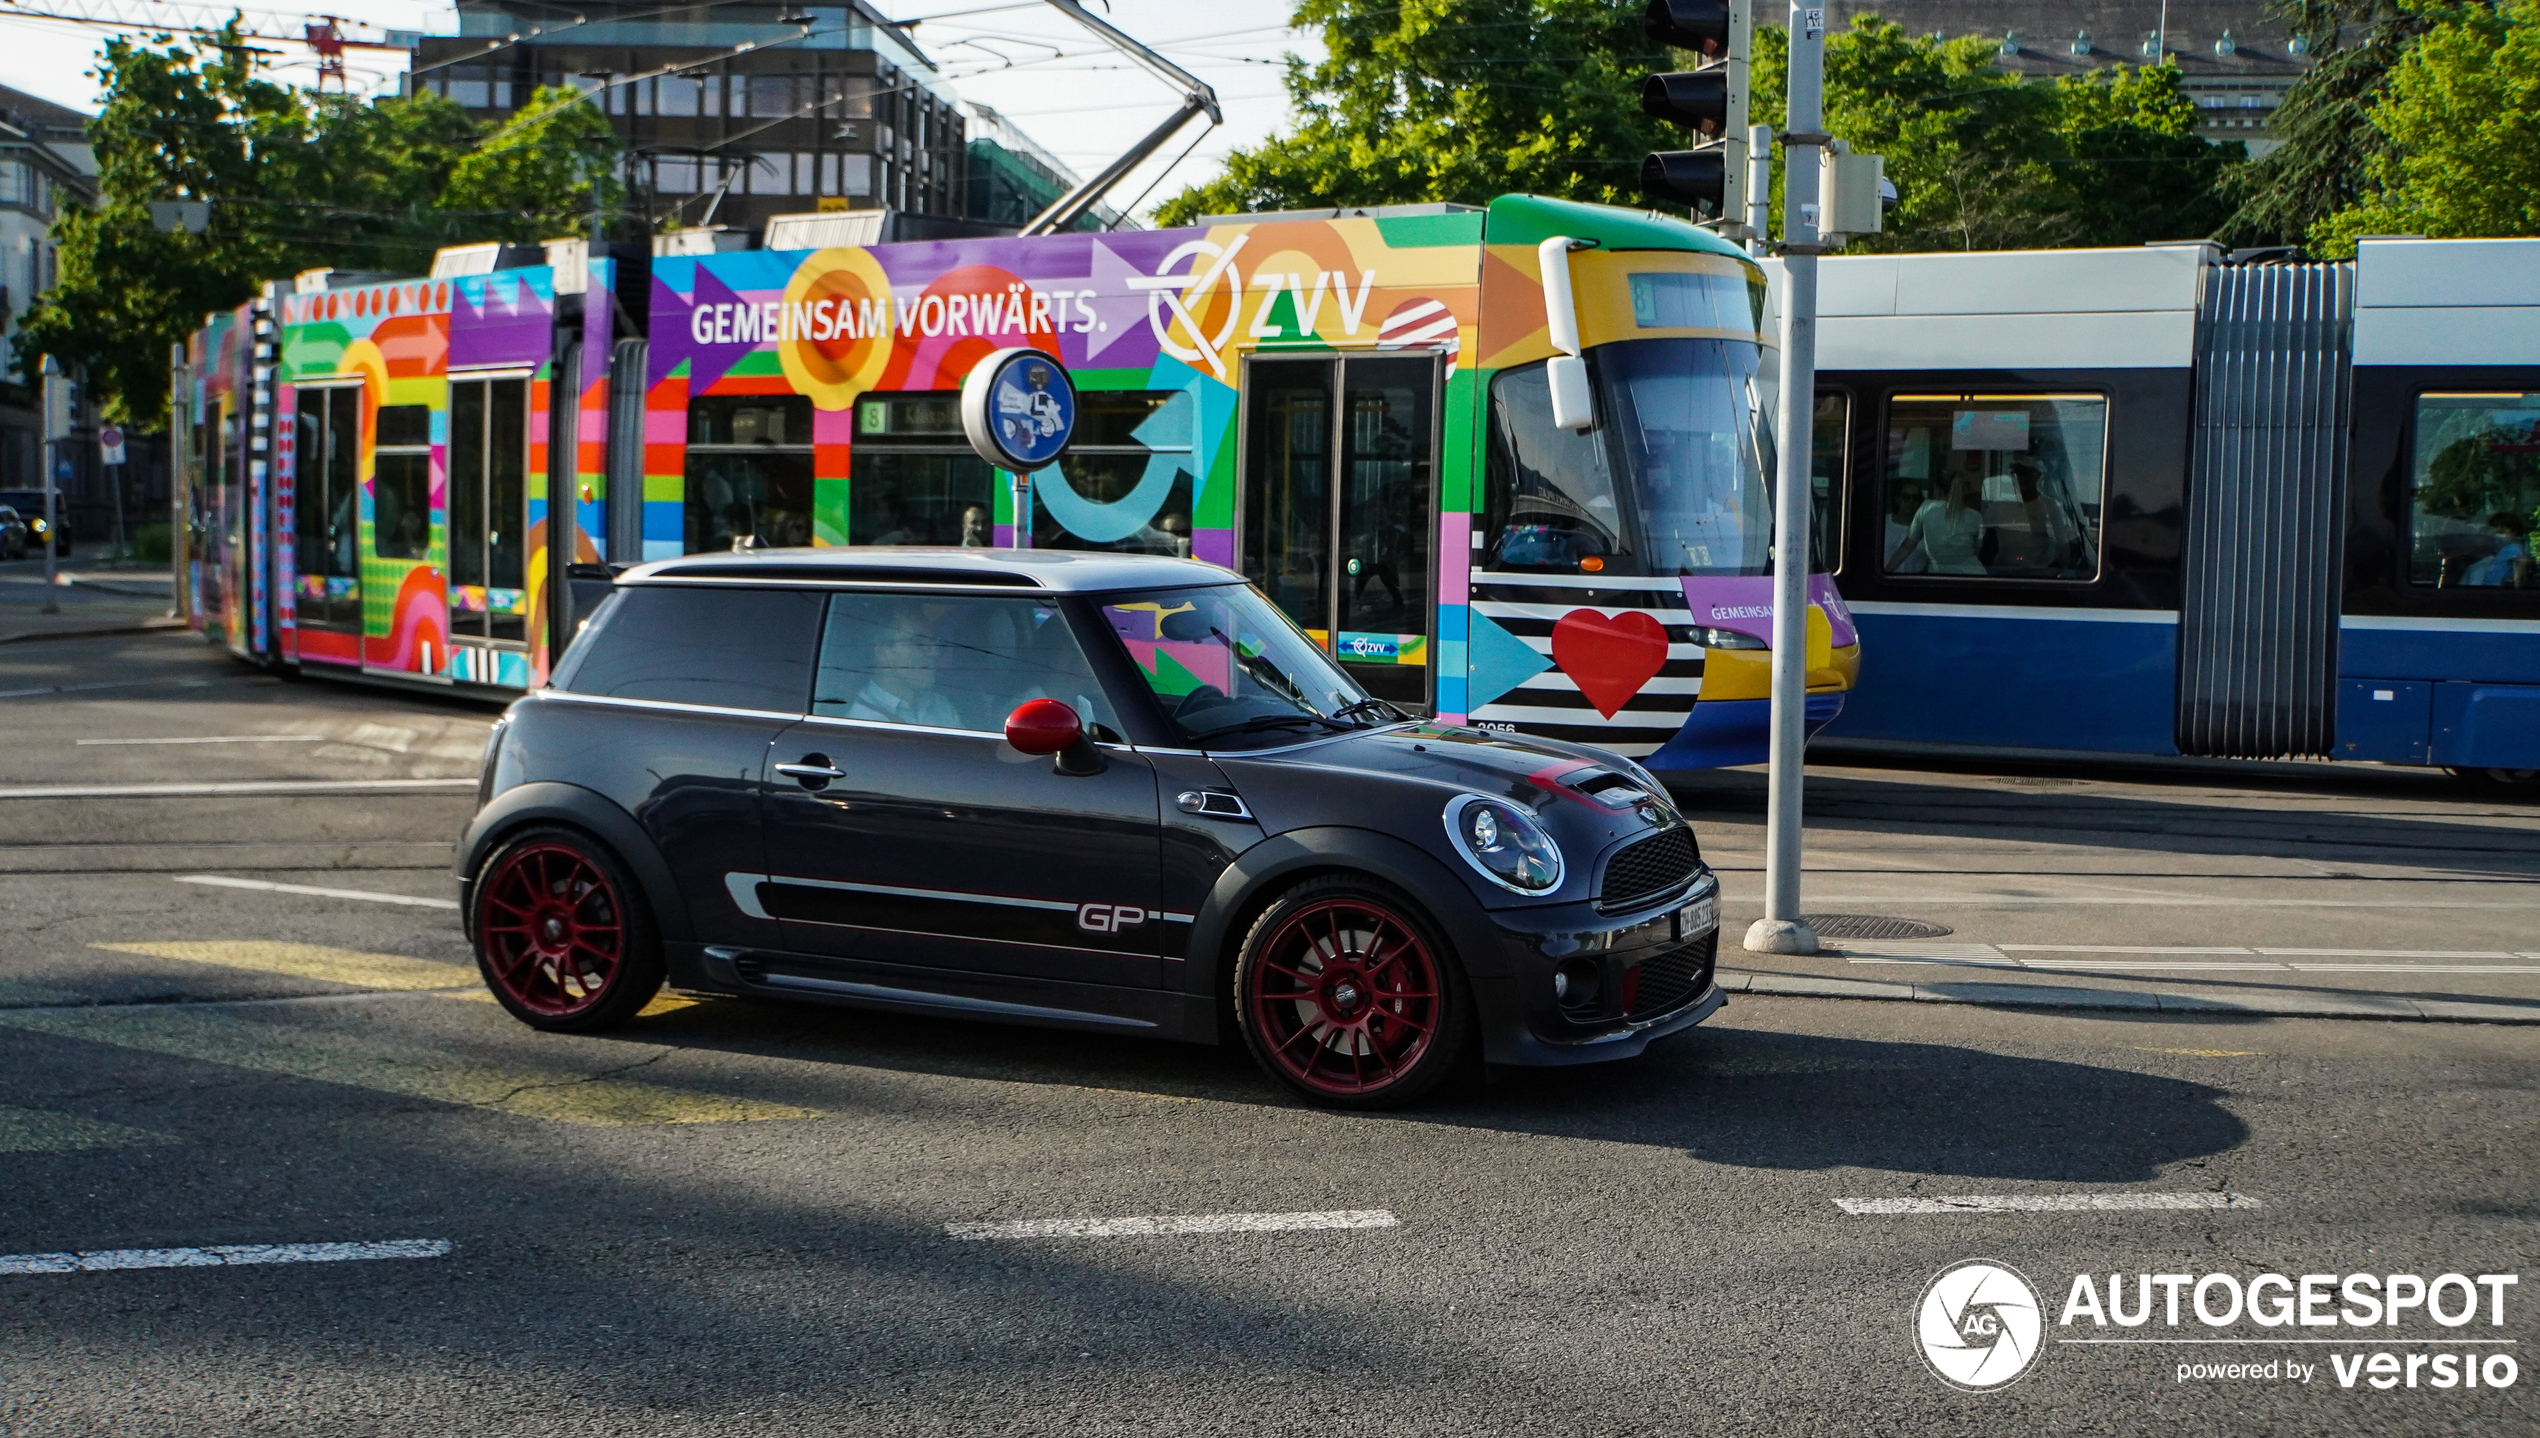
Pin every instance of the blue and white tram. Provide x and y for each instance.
(2157, 502)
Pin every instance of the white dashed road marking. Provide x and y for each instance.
(1188, 1223)
(372, 896)
(216, 739)
(2046, 1203)
(225, 1255)
(242, 786)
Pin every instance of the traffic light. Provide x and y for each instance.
(1710, 101)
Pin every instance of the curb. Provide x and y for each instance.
(2057, 996)
(147, 626)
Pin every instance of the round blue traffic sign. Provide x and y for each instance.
(1019, 409)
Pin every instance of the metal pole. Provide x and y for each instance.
(1780, 931)
(56, 432)
(1759, 189)
(180, 480)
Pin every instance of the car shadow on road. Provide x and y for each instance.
(1753, 1098)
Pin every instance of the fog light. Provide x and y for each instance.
(1575, 984)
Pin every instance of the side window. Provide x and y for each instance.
(401, 483)
(2002, 486)
(951, 662)
(749, 472)
(2474, 491)
(1548, 496)
(914, 477)
(1126, 480)
(729, 648)
(1829, 455)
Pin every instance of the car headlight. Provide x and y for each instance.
(38, 526)
(1502, 840)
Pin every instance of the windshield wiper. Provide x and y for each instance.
(1393, 712)
(1260, 722)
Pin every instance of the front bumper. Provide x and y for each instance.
(1652, 976)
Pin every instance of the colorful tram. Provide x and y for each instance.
(2156, 502)
(1353, 409)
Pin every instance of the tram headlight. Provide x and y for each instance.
(1502, 840)
(1730, 639)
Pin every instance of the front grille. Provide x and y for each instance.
(1672, 979)
(1659, 865)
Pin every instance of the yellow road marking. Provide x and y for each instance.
(29, 1130)
(347, 966)
(308, 961)
(303, 1050)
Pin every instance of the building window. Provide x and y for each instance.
(2004, 486)
(771, 96)
(675, 175)
(682, 95)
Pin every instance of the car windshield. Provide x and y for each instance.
(1223, 661)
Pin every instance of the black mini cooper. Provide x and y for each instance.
(1117, 793)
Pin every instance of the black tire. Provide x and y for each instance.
(1348, 969)
(562, 934)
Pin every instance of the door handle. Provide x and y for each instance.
(814, 772)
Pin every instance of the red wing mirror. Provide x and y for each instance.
(1045, 726)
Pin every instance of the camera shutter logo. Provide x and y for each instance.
(1979, 1325)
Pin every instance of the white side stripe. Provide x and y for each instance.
(370, 896)
(2046, 1203)
(224, 1255)
(1190, 1223)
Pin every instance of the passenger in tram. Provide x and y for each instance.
(977, 532)
(2509, 565)
(1904, 503)
(1948, 534)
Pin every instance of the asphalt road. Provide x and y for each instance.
(733, 1219)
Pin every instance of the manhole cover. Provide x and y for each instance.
(1872, 926)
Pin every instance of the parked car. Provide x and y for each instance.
(1116, 793)
(15, 537)
(29, 503)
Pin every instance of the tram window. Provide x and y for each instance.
(2002, 486)
(1126, 482)
(2474, 491)
(1829, 452)
(749, 472)
(401, 483)
(730, 648)
(915, 478)
(1549, 501)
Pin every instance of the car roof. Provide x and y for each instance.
(1066, 571)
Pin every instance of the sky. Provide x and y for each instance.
(1079, 99)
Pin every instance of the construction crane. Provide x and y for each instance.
(323, 35)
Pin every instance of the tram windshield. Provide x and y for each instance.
(1670, 481)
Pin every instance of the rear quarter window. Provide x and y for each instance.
(729, 648)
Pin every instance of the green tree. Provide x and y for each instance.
(2460, 118)
(1452, 100)
(1466, 99)
(295, 181)
(2324, 122)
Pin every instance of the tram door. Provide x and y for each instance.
(326, 512)
(489, 511)
(1340, 510)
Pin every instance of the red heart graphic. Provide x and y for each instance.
(1610, 656)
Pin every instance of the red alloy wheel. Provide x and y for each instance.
(551, 929)
(1345, 998)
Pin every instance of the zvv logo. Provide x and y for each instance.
(1109, 918)
(1978, 1325)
